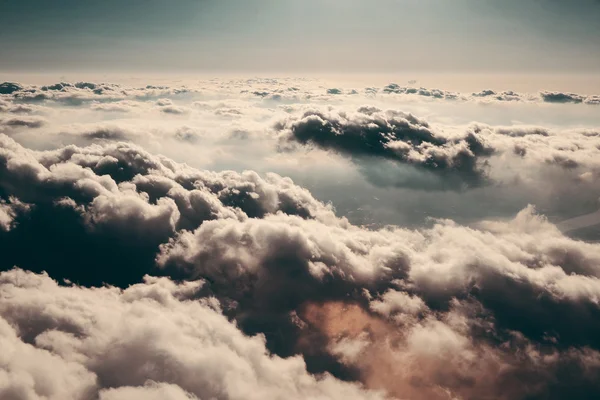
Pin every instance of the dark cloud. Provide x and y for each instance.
(485, 93)
(77, 94)
(166, 106)
(25, 122)
(504, 310)
(174, 110)
(118, 203)
(393, 136)
(95, 88)
(81, 93)
(499, 96)
(504, 294)
(9, 209)
(106, 134)
(490, 95)
(558, 97)
(187, 134)
(10, 87)
(562, 161)
(435, 93)
(56, 86)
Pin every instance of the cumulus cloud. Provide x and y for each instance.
(22, 122)
(10, 87)
(117, 190)
(151, 340)
(450, 306)
(417, 313)
(9, 209)
(391, 150)
(492, 95)
(269, 293)
(570, 149)
(77, 94)
(434, 93)
(174, 110)
(271, 90)
(394, 136)
(560, 97)
(228, 129)
(499, 96)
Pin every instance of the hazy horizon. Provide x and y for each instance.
(525, 82)
(302, 36)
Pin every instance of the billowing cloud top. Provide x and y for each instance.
(127, 274)
(394, 136)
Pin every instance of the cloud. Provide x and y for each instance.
(559, 97)
(403, 356)
(150, 391)
(394, 136)
(464, 302)
(166, 106)
(498, 96)
(9, 209)
(148, 341)
(465, 309)
(174, 110)
(267, 287)
(117, 203)
(394, 88)
(522, 131)
(107, 134)
(123, 106)
(10, 87)
(76, 94)
(522, 170)
(8, 106)
(81, 93)
(491, 95)
(26, 122)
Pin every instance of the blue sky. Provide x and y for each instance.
(297, 36)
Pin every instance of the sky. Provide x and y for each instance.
(355, 36)
(299, 200)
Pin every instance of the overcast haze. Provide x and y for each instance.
(301, 36)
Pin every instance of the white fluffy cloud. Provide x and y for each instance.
(269, 292)
(151, 340)
(8, 211)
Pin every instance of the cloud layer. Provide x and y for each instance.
(129, 274)
(505, 310)
(394, 136)
(153, 340)
(267, 89)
